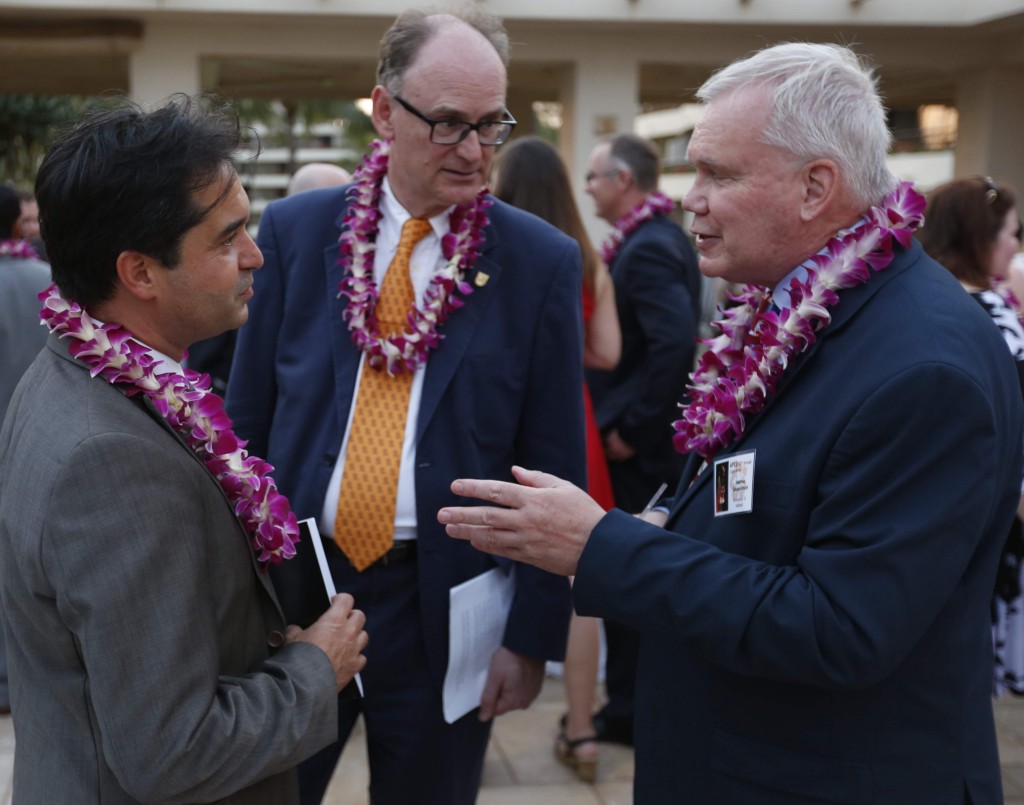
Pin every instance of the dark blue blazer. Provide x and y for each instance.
(657, 293)
(834, 644)
(503, 388)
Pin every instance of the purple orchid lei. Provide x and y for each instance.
(22, 249)
(657, 203)
(405, 351)
(742, 366)
(196, 414)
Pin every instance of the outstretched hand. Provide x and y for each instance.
(542, 520)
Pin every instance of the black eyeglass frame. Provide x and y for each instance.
(509, 123)
(589, 176)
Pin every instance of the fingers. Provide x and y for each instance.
(658, 518)
(488, 517)
(341, 605)
(485, 538)
(489, 698)
(534, 478)
(500, 492)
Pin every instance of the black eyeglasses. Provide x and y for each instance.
(591, 175)
(452, 132)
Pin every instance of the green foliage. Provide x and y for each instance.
(28, 123)
(281, 122)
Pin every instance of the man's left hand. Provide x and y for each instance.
(542, 520)
(616, 448)
(513, 683)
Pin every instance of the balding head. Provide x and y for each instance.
(315, 175)
(404, 40)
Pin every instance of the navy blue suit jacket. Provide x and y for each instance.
(834, 644)
(503, 388)
(657, 293)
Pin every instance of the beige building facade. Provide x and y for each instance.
(603, 61)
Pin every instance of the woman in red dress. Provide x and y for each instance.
(532, 176)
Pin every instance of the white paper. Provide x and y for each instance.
(325, 572)
(478, 611)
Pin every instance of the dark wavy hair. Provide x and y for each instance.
(961, 224)
(124, 179)
(532, 177)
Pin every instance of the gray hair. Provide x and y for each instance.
(824, 104)
(413, 28)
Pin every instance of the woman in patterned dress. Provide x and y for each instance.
(972, 228)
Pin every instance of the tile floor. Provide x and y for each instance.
(520, 769)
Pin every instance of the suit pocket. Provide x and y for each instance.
(752, 767)
(494, 382)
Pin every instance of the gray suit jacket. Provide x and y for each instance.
(138, 626)
(21, 335)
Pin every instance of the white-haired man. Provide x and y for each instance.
(814, 605)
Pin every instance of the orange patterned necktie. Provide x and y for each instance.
(364, 524)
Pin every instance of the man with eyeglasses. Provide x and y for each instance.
(479, 371)
(657, 293)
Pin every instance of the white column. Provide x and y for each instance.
(991, 118)
(164, 64)
(601, 96)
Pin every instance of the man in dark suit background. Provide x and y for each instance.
(500, 387)
(657, 293)
(826, 637)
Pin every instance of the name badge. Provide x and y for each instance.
(734, 484)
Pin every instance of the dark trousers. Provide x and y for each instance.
(632, 488)
(414, 755)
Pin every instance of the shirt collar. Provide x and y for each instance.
(780, 293)
(393, 209)
(161, 363)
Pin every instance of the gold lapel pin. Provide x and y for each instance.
(481, 279)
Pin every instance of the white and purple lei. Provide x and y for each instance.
(657, 203)
(742, 366)
(196, 414)
(21, 249)
(405, 351)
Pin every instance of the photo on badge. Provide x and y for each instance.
(734, 484)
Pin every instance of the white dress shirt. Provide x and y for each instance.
(426, 260)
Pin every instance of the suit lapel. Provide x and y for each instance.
(459, 330)
(261, 573)
(851, 302)
(344, 355)
(689, 482)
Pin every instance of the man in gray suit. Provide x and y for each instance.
(149, 657)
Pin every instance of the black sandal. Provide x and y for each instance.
(565, 752)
